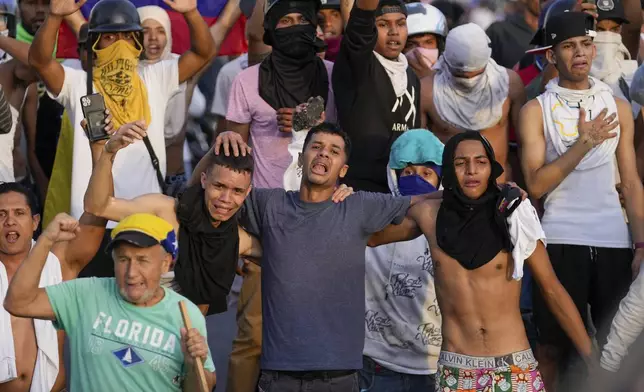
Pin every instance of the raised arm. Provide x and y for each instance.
(225, 22)
(42, 49)
(202, 44)
(75, 21)
(630, 180)
(99, 199)
(24, 297)
(540, 177)
(558, 300)
(28, 117)
(406, 231)
(17, 49)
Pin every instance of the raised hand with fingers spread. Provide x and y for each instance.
(64, 8)
(595, 131)
(231, 141)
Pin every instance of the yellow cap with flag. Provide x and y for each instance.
(145, 230)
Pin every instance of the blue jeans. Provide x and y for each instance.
(375, 378)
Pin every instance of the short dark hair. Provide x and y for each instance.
(329, 129)
(240, 164)
(6, 187)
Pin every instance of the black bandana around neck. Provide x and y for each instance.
(470, 231)
(293, 72)
(208, 255)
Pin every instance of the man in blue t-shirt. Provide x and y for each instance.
(126, 333)
(313, 268)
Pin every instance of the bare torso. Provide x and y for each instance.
(497, 135)
(24, 340)
(480, 308)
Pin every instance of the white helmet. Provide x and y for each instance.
(425, 19)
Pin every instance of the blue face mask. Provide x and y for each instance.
(414, 185)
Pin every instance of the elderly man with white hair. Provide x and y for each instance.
(470, 91)
(126, 333)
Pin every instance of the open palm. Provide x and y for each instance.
(181, 6)
(65, 7)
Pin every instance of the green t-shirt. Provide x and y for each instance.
(116, 346)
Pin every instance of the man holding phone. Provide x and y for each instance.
(131, 93)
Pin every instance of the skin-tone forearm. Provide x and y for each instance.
(23, 289)
(225, 22)
(75, 21)
(101, 183)
(345, 9)
(42, 48)
(549, 176)
(565, 311)
(200, 38)
(18, 50)
(634, 204)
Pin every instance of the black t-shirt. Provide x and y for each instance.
(510, 39)
(367, 106)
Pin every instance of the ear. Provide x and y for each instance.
(35, 222)
(167, 261)
(343, 171)
(594, 52)
(550, 56)
(250, 188)
(204, 178)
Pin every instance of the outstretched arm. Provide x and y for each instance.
(17, 49)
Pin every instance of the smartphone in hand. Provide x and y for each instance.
(94, 112)
(309, 116)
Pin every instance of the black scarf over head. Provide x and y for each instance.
(207, 255)
(293, 72)
(472, 232)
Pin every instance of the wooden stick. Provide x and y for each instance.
(200, 371)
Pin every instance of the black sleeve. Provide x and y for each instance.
(359, 41)
(495, 43)
(6, 121)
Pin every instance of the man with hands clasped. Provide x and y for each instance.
(126, 333)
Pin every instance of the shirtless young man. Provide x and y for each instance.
(470, 91)
(18, 220)
(478, 280)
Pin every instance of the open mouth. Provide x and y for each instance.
(472, 184)
(393, 45)
(220, 210)
(580, 64)
(135, 286)
(154, 48)
(12, 237)
(319, 168)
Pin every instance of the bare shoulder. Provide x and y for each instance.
(531, 108)
(516, 84)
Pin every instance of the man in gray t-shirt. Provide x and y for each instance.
(313, 268)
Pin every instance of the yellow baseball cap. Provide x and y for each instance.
(145, 230)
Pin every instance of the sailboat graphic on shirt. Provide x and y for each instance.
(128, 356)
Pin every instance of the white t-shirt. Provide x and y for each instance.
(133, 172)
(224, 83)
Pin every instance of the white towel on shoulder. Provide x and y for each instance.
(47, 359)
(560, 107)
(525, 231)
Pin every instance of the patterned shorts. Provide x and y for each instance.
(515, 372)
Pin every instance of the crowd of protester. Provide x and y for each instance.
(396, 196)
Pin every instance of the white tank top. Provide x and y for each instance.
(6, 149)
(584, 209)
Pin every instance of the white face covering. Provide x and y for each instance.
(610, 53)
(468, 84)
(3, 33)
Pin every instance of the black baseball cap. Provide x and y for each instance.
(611, 10)
(562, 27)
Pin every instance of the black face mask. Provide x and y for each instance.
(296, 42)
